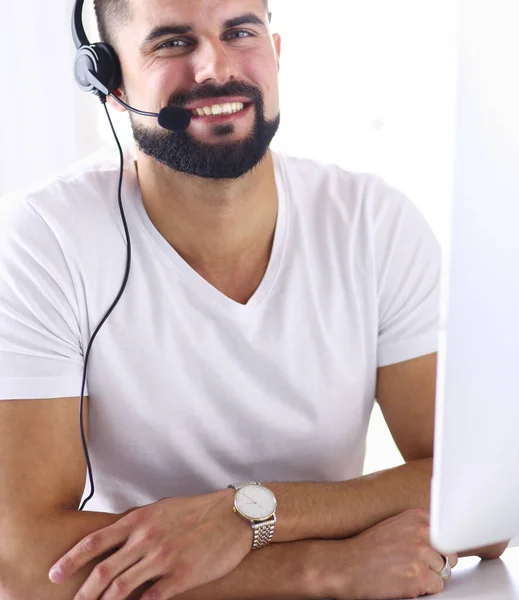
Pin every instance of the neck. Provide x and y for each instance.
(212, 224)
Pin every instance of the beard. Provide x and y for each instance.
(181, 152)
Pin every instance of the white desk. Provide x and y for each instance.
(476, 579)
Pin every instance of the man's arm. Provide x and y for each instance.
(342, 510)
(278, 571)
(41, 484)
(406, 393)
(33, 546)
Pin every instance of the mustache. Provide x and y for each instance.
(211, 91)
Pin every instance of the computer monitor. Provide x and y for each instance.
(475, 486)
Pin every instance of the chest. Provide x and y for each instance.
(237, 284)
(301, 357)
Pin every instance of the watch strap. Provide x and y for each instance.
(242, 485)
(263, 533)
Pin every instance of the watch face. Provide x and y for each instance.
(255, 502)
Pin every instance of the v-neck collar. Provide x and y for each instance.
(201, 286)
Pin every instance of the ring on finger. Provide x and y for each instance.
(445, 573)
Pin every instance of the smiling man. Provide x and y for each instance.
(271, 299)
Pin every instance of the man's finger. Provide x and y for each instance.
(165, 587)
(116, 577)
(138, 573)
(90, 547)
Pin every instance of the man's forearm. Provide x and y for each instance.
(29, 549)
(277, 572)
(344, 509)
(340, 510)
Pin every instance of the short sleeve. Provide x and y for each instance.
(40, 342)
(409, 261)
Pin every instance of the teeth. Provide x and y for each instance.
(219, 109)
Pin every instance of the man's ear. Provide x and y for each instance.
(277, 45)
(113, 104)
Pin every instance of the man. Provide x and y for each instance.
(270, 300)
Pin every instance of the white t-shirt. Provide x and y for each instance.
(188, 390)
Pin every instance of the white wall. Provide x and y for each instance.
(45, 120)
(382, 77)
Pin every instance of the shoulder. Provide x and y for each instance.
(60, 226)
(354, 194)
(85, 190)
(317, 174)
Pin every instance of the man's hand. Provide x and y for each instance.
(179, 543)
(393, 559)
(487, 552)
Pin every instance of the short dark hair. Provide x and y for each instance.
(109, 12)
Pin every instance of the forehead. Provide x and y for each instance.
(198, 13)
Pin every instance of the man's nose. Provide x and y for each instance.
(213, 63)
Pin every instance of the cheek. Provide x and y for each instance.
(170, 75)
(262, 73)
(270, 88)
(167, 79)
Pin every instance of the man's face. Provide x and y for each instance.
(215, 63)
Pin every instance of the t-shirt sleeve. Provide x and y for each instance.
(40, 342)
(408, 259)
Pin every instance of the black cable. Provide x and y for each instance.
(102, 97)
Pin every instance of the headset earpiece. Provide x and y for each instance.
(103, 62)
(97, 69)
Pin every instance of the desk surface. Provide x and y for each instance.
(476, 579)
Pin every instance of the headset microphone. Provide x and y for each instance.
(97, 69)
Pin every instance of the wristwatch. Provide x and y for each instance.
(257, 504)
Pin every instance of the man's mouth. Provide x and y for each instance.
(228, 108)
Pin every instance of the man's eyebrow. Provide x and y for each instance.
(248, 18)
(164, 30)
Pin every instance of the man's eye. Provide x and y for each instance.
(171, 44)
(241, 31)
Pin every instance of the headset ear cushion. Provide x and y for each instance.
(101, 60)
(86, 60)
(108, 67)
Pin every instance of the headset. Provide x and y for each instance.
(97, 69)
